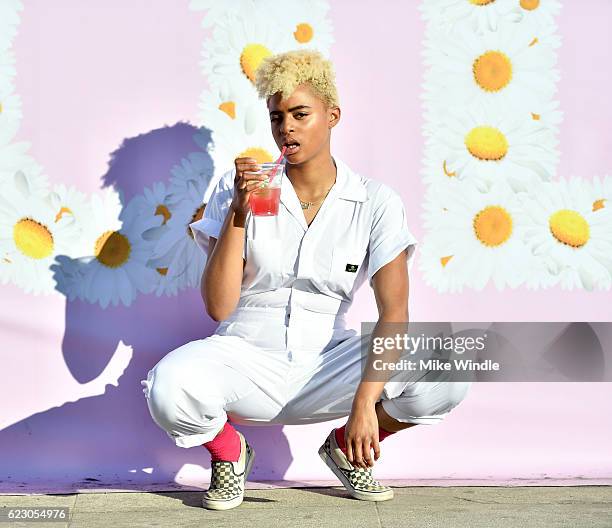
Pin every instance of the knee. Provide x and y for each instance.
(427, 402)
(161, 388)
(445, 396)
(456, 392)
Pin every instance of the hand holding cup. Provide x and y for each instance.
(245, 184)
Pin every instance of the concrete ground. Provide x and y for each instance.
(430, 507)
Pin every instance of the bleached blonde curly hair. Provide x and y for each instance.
(284, 72)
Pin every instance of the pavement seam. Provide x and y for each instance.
(378, 515)
(74, 509)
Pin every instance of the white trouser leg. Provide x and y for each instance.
(324, 390)
(193, 389)
(426, 402)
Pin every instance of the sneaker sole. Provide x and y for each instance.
(237, 501)
(361, 495)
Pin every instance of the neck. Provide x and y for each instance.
(313, 178)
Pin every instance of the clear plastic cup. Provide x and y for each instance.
(265, 199)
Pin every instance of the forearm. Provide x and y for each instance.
(222, 277)
(370, 388)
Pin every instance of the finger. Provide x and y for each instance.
(250, 185)
(255, 177)
(376, 446)
(246, 160)
(367, 453)
(358, 454)
(349, 451)
(247, 165)
(242, 166)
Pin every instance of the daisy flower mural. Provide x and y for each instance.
(231, 108)
(241, 40)
(547, 114)
(71, 203)
(486, 144)
(10, 115)
(14, 159)
(482, 233)
(601, 192)
(441, 270)
(195, 170)
(115, 268)
(231, 142)
(215, 9)
(31, 235)
(475, 15)
(307, 22)
(539, 14)
(151, 203)
(570, 234)
(508, 67)
(174, 249)
(9, 20)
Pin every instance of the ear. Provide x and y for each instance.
(333, 116)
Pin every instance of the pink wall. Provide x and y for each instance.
(91, 76)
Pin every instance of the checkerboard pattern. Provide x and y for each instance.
(225, 484)
(359, 478)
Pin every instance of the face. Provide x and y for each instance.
(303, 118)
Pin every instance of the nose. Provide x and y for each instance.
(286, 127)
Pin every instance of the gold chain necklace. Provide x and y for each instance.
(306, 205)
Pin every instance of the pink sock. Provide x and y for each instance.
(224, 446)
(382, 434)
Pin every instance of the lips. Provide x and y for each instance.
(292, 149)
(293, 146)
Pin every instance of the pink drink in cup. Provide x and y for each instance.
(264, 200)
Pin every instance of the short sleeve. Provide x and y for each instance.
(389, 235)
(214, 213)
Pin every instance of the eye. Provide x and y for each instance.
(299, 114)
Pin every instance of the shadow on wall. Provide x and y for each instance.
(110, 440)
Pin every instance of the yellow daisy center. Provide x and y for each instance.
(112, 249)
(303, 33)
(492, 71)
(535, 117)
(162, 210)
(530, 5)
(493, 225)
(62, 212)
(33, 239)
(258, 153)
(569, 227)
(444, 260)
(199, 213)
(599, 204)
(251, 57)
(162, 271)
(229, 107)
(486, 143)
(447, 172)
(481, 2)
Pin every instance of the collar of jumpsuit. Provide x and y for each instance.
(348, 186)
(306, 274)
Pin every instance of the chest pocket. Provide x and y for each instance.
(264, 264)
(346, 266)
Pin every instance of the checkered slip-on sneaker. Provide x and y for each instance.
(228, 479)
(359, 482)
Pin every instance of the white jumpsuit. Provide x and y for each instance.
(285, 355)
